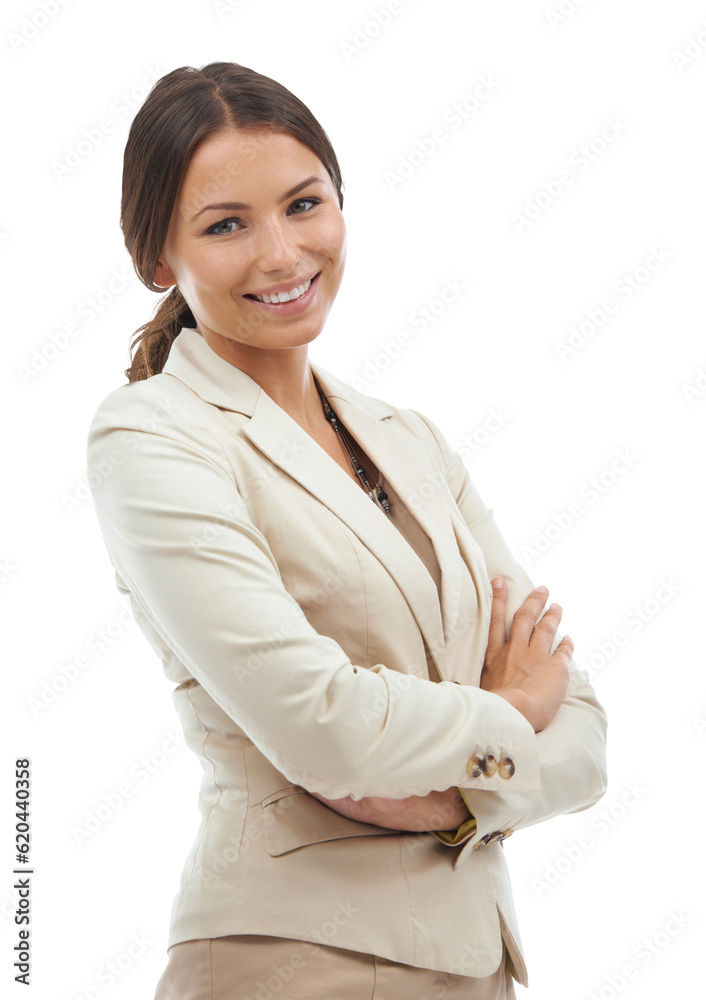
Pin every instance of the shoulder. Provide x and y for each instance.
(158, 402)
(412, 421)
(156, 409)
(418, 425)
(423, 429)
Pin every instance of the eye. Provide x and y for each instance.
(298, 207)
(304, 201)
(217, 227)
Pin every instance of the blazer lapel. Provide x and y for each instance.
(401, 458)
(405, 463)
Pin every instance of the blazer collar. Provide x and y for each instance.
(401, 458)
(218, 381)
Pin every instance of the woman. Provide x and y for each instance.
(313, 567)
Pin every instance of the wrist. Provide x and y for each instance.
(518, 699)
(460, 831)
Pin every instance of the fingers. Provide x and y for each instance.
(527, 628)
(544, 631)
(565, 647)
(496, 630)
(525, 618)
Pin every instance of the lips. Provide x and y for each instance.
(291, 308)
(280, 298)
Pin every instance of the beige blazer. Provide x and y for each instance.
(310, 650)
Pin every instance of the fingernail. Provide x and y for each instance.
(553, 607)
(498, 581)
(542, 590)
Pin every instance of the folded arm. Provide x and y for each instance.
(179, 533)
(571, 746)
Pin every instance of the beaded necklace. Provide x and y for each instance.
(381, 499)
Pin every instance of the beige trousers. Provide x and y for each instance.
(255, 967)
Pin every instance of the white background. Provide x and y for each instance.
(626, 560)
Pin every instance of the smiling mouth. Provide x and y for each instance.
(278, 298)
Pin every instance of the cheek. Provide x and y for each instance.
(331, 239)
(214, 271)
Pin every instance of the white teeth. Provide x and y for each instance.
(285, 296)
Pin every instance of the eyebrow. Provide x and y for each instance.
(234, 206)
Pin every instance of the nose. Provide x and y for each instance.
(275, 247)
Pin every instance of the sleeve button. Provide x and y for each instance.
(474, 767)
(506, 767)
(495, 838)
(489, 765)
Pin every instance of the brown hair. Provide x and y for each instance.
(183, 109)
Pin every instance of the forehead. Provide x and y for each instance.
(244, 165)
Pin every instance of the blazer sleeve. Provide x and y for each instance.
(572, 748)
(179, 535)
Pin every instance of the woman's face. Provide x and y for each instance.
(256, 214)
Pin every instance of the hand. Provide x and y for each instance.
(418, 813)
(523, 670)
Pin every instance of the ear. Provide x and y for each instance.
(163, 275)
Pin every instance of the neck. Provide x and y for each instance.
(284, 375)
